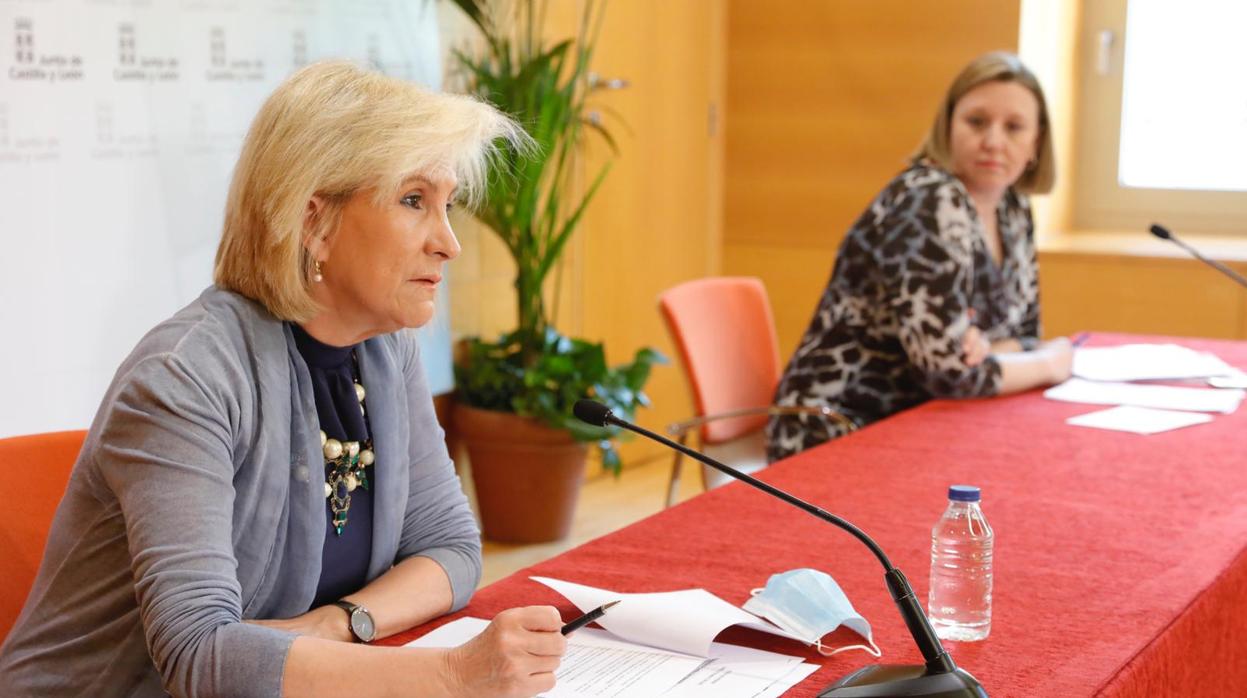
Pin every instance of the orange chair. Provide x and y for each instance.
(41, 464)
(725, 335)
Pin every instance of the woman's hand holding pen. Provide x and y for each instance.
(515, 656)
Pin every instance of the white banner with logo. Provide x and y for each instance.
(120, 122)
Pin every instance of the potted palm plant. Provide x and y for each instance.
(515, 393)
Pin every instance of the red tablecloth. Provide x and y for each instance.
(1120, 564)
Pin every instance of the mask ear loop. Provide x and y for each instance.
(871, 649)
(972, 519)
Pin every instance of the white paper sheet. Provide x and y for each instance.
(798, 674)
(685, 621)
(1138, 420)
(1133, 362)
(1156, 396)
(598, 665)
(743, 672)
(1235, 379)
(595, 665)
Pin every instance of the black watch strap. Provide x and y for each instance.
(362, 628)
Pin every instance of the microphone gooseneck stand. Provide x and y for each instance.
(1163, 233)
(939, 677)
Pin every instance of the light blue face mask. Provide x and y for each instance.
(809, 604)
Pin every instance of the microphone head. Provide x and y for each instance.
(1160, 231)
(594, 413)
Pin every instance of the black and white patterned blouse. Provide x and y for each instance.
(887, 332)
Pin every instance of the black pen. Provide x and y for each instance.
(587, 618)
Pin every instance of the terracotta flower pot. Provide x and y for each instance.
(527, 475)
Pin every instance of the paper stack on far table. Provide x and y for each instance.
(1099, 379)
(1138, 362)
(1138, 420)
(1155, 396)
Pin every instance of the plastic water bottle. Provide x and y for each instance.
(960, 603)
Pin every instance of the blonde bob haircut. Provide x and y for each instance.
(998, 66)
(330, 130)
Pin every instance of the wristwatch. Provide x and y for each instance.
(361, 623)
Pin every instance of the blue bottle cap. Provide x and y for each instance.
(964, 493)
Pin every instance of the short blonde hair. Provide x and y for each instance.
(998, 66)
(330, 130)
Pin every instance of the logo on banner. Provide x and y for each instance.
(24, 40)
(46, 67)
(217, 47)
(104, 122)
(125, 45)
(225, 68)
(374, 53)
(131, 67)
(300, 49)
(376, 61)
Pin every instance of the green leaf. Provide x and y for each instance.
(610, 457)
(532, 202)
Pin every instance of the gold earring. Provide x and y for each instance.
(318, 276)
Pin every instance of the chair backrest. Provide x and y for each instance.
(725, 333)
(36, 469)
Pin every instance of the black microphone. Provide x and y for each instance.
(940, 677)
(1163, 233)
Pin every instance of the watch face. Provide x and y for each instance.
(361, 625)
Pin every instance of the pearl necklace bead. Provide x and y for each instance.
(333, 449)
(345, 462)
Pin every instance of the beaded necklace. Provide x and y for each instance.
(346, 462)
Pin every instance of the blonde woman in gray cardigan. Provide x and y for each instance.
(208, 524)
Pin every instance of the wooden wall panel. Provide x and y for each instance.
(795, 278)
(1131, 293)
(825, 101)
(657, 222)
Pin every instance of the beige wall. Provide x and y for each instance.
(825, 102)
(658, 222)
(1121, 292)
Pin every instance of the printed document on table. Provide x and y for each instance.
(743, 672)
(599, 665)
(1136, 362)
(685, 621)
(1138, 420)
(595, 664)
(1162, 397)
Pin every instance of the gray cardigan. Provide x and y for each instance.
(198, 501)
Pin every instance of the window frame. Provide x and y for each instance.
(1100, 202)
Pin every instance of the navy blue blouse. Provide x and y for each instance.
(344, 559)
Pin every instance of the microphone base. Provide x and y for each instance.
(904, 680)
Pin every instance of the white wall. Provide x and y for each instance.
(120, 122)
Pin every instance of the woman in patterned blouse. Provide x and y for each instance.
(935, 288)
